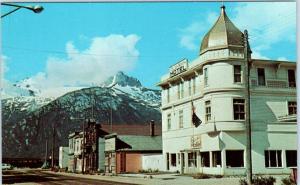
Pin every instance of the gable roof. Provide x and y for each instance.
(141, 143)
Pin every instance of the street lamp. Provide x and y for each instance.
(35, 9)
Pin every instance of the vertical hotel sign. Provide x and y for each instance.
(179, 67)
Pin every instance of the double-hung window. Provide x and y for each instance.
(237, 74)
(239, 109)
(273, 158)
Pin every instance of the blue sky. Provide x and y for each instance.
(71, 44)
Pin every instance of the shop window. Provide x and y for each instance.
(192, 159)
(291, 78)
(237, 74)
(168, 162)
(183, 159)
(235, 158)
(239, 109)
(207, 111)
(291, 158)
(216, 158)
(273, 158)
(205, 162)
(173, 159)
(292, 106)
(261, 76)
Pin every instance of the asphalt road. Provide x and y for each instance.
(38, 177)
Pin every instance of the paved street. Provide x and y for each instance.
(39, 177)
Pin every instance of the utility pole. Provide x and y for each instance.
(46, 154)
(53, 147)
(247, 53)
(83, 147)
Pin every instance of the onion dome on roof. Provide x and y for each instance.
(223, 34)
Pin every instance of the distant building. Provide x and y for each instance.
(63, 157)
(72, 162)
(124, 153)
(211, 89)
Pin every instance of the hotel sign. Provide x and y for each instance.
(196, 141)
(178, 68)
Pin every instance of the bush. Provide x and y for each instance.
(288, 181)
(259, 180)
(201, 176)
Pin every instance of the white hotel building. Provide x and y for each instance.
(215, 83)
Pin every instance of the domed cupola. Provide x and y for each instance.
(224, 34)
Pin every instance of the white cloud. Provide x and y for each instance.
(268, 23)
(190, 36)
(258, 55)
(282, 59)
(103, 58)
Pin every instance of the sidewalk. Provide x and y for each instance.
(163, 179)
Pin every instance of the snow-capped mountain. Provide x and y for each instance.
(28, 120)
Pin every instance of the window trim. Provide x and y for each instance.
(295, 78)
(169, 123)
(265, 84)
(205, 76)
(238, 98)
(241, 74)
(205, 108)
(288, 107)
(180, 119)
(277, 164)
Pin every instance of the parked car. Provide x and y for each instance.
(6, 166)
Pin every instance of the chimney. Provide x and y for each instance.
(152, 128)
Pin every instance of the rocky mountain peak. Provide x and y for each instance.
(123, 80)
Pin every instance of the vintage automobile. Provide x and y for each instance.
(6, 166)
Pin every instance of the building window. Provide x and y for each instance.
(192, 159)
(169, 121)
(183, 159)
(205, 77)
(173, 159)
(273, 158)
(261, 76)
(239, 109)
(235, 158)
(168, 163)
(190, 87)
(292, 106)
(181, 90)
(181, 119)
(237, 74)
(204, 159)
(194, 85)
(207, 111)
(291, 78)
(178, 158)
(216, 158)
(178, 91)
(291, 158)
(168, 95)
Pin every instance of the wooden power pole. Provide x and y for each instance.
(247, 109)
